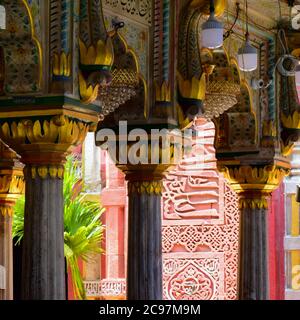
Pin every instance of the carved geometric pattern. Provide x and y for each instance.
(200, 228)
(106, 288)
(196, 278)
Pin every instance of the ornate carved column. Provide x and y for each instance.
(11, 187)
(254, 184)
(43, 146)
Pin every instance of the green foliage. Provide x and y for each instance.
(18, 222)
(83, 230)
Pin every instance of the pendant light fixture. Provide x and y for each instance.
(212, 30)
(247, 54)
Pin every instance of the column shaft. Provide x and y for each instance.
(253, 270)
(43, 271)
(144, 268)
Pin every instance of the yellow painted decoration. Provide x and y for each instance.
(35, 40)
(47, 171)
(291, 121)
(33, 172)
(296, 53)
(62, 64)
(6, 210)
(263, 180)
(183, 121)
(269, 129)
(192, 89)
(145, 187)
(101, 54)
(259, 203)
(88, 93)
(14, 132)
(12, 186)
(163, 92)
(11, 183)
(59, 130)
(220, 6)
(295, 232)
(42, 171)
(287, 150)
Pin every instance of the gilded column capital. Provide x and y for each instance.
(145, 187)
(44, 143)
(43, 171)
(145, 179)
(254, 184)
(11, 180)
(147, 158)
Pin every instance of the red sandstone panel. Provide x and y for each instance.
(200, 227)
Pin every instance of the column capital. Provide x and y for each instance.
(44, 142)
(11, 180)
(153, 187)
(254, 184)
(145, 179)
(147, 160)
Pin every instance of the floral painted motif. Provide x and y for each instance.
(20, 51)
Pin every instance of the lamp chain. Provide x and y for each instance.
(212, 6)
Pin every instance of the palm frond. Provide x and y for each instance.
(18, 221)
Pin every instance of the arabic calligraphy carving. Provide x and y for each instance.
(141, 9)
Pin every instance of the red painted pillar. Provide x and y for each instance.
(113, 198)
(276, 231)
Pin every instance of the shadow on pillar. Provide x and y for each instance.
(17, 263)
(17, 271)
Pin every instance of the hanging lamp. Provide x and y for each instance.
(247, 54)
(212, 30)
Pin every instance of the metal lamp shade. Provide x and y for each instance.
(212, 33)
(247, 58)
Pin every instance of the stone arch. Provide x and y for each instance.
(21, 50)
